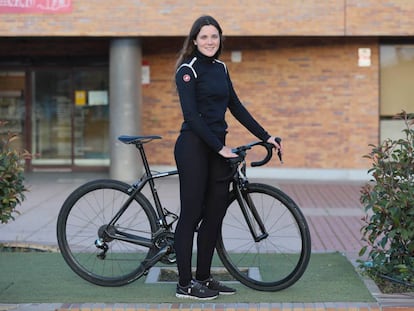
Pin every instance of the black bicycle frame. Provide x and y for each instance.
(136, 187)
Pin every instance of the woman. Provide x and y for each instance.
(206, 92)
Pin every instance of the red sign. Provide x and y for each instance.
(35, 6)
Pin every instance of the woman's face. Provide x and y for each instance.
(208, 40)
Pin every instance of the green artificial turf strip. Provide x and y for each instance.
(45, 278)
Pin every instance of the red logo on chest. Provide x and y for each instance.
(186, 78)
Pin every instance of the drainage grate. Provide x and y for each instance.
(26, 248)
(170, 275)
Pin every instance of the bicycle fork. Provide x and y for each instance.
(250, 213)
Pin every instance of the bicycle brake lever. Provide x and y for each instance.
(279, 153)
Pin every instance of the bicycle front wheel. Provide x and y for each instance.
(273, 252)
(82, 229)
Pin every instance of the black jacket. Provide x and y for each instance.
(205, 92)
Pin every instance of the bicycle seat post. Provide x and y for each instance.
(140, 147)
(150, 179)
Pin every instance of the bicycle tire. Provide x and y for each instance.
(84, 213)
(277, 261)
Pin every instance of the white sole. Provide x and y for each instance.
(194, 297)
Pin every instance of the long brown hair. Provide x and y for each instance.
(189, 48)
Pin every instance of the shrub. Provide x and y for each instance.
(389, 202)
(11, 176)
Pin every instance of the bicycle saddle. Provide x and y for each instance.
(127, 139)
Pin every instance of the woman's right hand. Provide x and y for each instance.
(227, 153)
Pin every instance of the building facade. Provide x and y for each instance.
(326, 76)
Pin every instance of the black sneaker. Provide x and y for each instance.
(216, 285)
(196, 290)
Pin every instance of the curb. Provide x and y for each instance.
(337, 306)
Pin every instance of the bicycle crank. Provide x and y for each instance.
(166, 239)
(148, 263)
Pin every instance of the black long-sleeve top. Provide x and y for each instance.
(206, 91)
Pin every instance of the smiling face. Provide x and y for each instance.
(208, 40)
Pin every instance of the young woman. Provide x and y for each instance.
(206, 92)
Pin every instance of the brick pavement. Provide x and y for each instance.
(333, 212)
(237, 307)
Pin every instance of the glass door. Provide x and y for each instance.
(12, 105)
(70, 118)
(52, 118)
(91, 118)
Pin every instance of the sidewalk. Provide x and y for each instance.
(332, 209)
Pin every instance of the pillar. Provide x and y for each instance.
(125, 58)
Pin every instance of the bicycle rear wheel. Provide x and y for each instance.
(280, 254)
(84, 219)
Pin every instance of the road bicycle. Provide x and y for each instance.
(110, 233)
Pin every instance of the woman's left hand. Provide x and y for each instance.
(226, 152)
(278, 146)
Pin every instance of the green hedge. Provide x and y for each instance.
(389, 203)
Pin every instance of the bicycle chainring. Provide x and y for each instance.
(166, 239)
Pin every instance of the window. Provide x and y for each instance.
(396, 87)
(70, 117)
(12, 91)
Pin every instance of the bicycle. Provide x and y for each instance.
(110, 234)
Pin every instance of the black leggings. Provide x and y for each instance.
(203, 196)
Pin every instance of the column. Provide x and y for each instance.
(125, 59)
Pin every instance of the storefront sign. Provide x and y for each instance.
(80, 98)
(364, 57)
(35, 6)
(98, 98)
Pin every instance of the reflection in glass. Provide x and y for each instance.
(12, 86)
(70, 121)
(51, 117)
(91, 119)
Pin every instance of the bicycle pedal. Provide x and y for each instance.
(169, 259)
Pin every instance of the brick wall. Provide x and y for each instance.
(385, 18)
(238, 17)
(311, 92)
